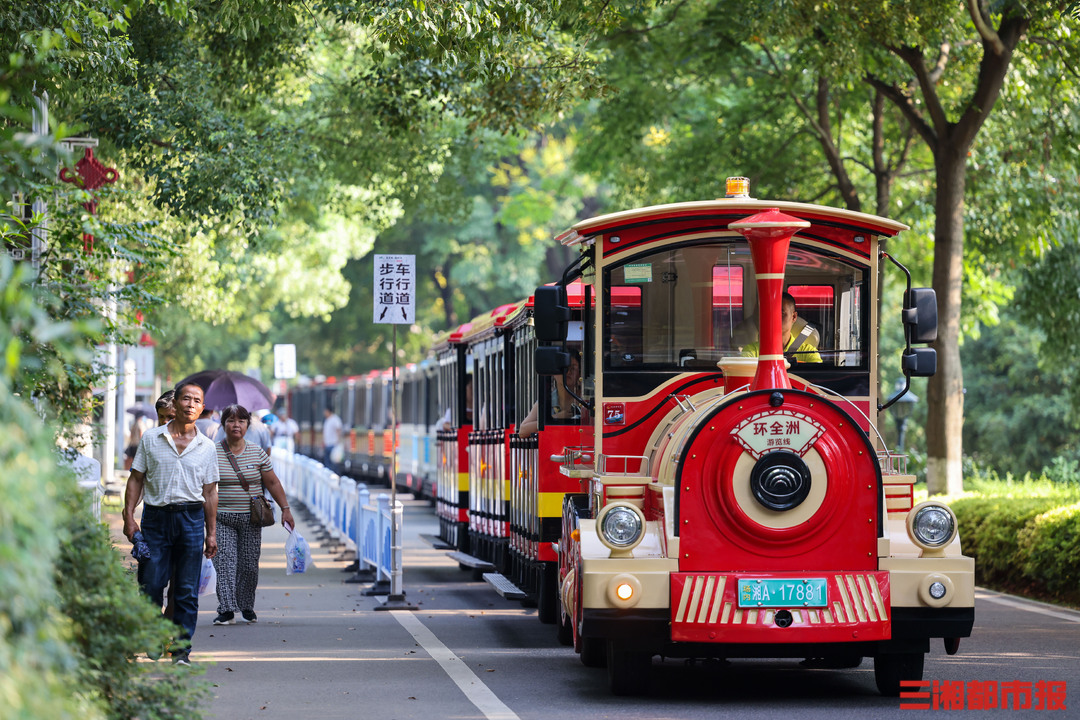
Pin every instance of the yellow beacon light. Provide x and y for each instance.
(625, 591)
(738, 187)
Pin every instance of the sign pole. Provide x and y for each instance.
(395, 280)
(396, 592)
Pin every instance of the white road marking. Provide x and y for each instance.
(1029, 606)
(475, 690)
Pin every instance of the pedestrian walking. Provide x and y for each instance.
(332, 430)
(166, 411)
(285, 431)
(240, 542)
(175, 472)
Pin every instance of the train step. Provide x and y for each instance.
(436, 542)
(504, 587)
(471, 562)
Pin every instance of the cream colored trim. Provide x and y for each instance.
(744, 496)
(910, 578)
(588, 227)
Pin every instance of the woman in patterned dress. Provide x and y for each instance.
(240, 542)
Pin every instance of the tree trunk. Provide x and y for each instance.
(439, 277)
(946, 389)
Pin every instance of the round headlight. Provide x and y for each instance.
(621, 526)
(931, 525)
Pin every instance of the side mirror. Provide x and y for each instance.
(551, 313)
(920, 362)
(551, 360)
(920, 315)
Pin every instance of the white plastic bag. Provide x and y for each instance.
(208, 578)
(297, 553)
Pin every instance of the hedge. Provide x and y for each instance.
(1024, 536)
(75, 631)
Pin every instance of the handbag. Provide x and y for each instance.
(262, 515)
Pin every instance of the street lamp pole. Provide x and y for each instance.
(901, 411)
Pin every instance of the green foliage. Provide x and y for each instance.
(36, 662)
(1018, 410)
(111, 622)
(988, 531)
(1022, 532)
(1048, 548)
(1049, 298)
(512, 64)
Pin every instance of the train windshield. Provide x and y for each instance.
(689, 306)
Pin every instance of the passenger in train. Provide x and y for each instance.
(446, 422)
(563, 404)
(801, 346)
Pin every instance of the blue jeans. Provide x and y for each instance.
(176, 551)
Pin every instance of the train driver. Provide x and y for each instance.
(803, 346)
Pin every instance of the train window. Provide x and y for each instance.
(689, 306)
(624, 326)
(561, 407)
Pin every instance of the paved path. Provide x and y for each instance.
(321, 650)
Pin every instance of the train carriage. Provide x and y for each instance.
(419, 414)
(737, 499)
(451, 436)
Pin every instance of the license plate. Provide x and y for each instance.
(783, 592)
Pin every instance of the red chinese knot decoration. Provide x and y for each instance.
(92, 175)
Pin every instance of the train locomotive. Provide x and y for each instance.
(707, 479)
(738, 500)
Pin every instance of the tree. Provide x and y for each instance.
(941, 67)
(944, 67)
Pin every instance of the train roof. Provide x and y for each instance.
(834, 224)
(488, 322)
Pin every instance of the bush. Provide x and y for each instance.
(989, 527)
(36, 663)
(1023, 533)
(112, 622)
(1048, 548)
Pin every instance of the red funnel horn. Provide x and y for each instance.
(769, 233)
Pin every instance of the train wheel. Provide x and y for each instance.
(547, 602)
(890, 670)
(593, 652)
(565, 632)
(628, 670)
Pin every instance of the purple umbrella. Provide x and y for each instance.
(203, 378)
(141, 410)
(237, 388)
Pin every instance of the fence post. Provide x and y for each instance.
(365, 572)
(381, 585)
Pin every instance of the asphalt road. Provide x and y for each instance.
(321, 651)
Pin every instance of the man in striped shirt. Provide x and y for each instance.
(175, 473)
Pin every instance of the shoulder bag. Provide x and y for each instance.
(262, 515)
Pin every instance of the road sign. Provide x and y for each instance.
(284, 361)
(395, 289)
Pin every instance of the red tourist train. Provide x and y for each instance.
(708, 479)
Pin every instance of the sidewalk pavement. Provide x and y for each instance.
(319, 648)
